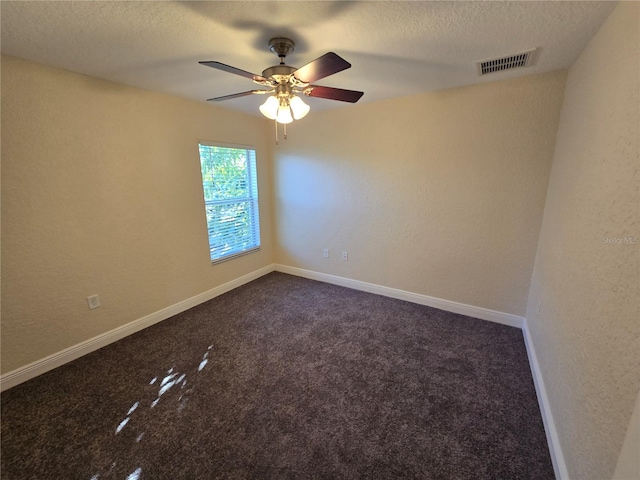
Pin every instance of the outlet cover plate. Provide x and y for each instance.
(93, 301)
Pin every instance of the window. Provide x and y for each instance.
(230, 187)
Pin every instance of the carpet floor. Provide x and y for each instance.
(286, 378)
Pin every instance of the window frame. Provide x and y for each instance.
(252, 200)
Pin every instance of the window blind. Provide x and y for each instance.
(230, 187)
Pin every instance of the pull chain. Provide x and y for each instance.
(284, 127)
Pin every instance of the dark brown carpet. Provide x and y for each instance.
(287, 378)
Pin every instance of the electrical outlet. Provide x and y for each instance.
(325, 253)
(93, 301)
(345, 256)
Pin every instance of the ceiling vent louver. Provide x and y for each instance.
(518, 60)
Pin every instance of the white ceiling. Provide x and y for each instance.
(397, 48)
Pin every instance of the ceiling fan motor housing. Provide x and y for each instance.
(279, 72)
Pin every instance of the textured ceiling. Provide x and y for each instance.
(396, 48)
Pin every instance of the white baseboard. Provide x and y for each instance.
(449, 306)
(55, 360)
(50, 362)
(557, 458)
(58, 359)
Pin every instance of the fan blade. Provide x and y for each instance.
(230, 69)
(351, 96)
(321, 67)
(236, 95)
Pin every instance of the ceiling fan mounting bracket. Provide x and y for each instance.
(282, 47)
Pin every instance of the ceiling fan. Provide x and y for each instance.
(284, 83)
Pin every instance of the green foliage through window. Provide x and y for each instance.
(230, 188)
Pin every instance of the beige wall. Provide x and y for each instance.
(588, 331)
(628, 465)
(101, 193)
(439, 194)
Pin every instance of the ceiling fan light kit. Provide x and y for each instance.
(298, 107)
(284, 84)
